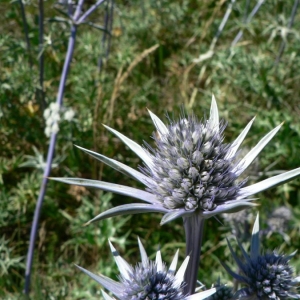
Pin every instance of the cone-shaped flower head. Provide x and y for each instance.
(191, 166)
(267, 276)
(191, 170)
(148, 279)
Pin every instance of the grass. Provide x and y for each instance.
(137, 75)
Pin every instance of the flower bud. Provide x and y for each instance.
(197, 157)
(199, 190)
(188, 145)
(208, 204)
(191, 203)
(178, 194)
(175, 174)
(196, 137)
(193, 173)
(211, 191)
(167, 184)
(219, 164)
(208, 164)
(182, 163)
(207, 147)
(204, 176)
(217, 177)
(186, 184)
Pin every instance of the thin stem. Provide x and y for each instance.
(246, 10)
(25, 24)
(291, 22)
(47, 170)
(252, 14)
(193, 227)
(211, 50)
(78, 10)
(222, 25)
(106, 38)
(89, 11)
(214, 41)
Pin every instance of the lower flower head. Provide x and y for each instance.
(267, 276)
(148, 280)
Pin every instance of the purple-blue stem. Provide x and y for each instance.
(89, 11)
(194, 228)
(47, 170)
(59, 101)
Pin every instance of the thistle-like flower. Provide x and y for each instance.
(191, 170)
(147, 280)
(267, 276)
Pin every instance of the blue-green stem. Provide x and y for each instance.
(194, 228)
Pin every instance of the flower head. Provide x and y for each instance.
(191, 166)
(191, 170)
(148, 279)
(267, 276)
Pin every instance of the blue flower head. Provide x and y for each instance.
(148, 280)
(267, 276)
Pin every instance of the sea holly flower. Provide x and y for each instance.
(267, 276)
(148, 279)
(191, 173)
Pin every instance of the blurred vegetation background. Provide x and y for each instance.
(112, 80)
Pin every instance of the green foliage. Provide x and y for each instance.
(245, 80)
